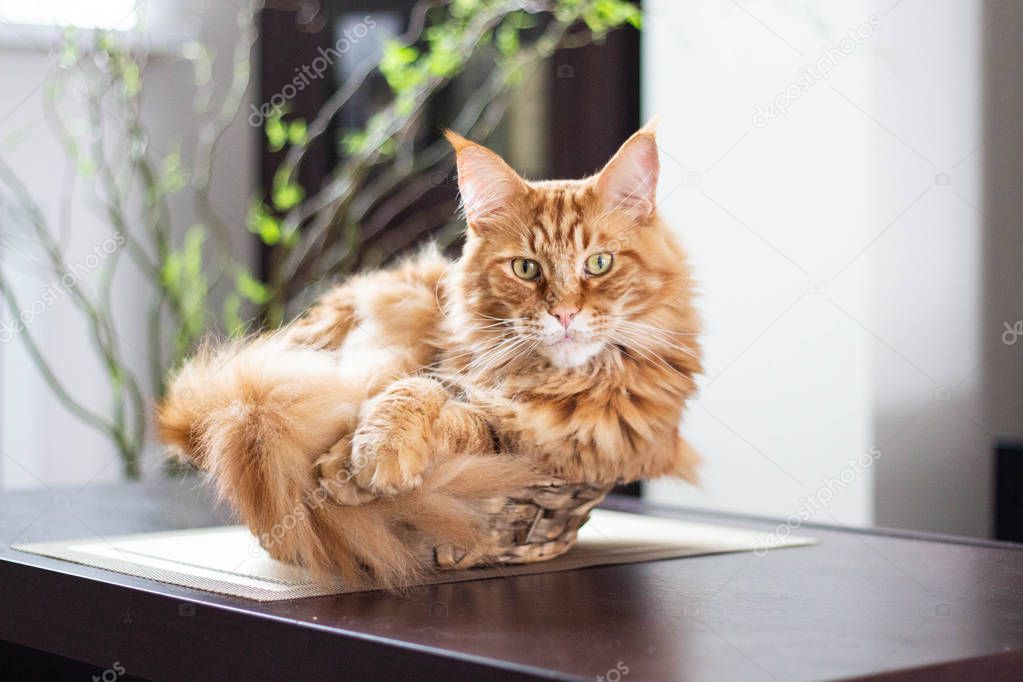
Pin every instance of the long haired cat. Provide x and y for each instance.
(562, 343)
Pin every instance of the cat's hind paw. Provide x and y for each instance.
(334, 469)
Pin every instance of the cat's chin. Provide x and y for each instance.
(570, 354)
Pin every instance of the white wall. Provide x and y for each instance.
(40, 441)
(927, 270)
(845, 282)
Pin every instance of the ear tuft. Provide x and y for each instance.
(455, 140)
(628, 182)
(485, 181)
(651, 125)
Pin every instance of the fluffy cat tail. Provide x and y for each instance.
(257, 415)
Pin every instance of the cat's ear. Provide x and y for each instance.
(485, 181)
(628, 182)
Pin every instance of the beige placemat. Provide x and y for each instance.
(229, 560)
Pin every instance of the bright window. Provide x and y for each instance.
(109, 14)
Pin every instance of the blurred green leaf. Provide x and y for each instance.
(131, 79)
(276, 134)
(285, 194)
(353, 141)
(170, 272)
(398, 66)
(298, 132)
(233, 321)
(288, 196)
(172, 178)
(85, 166)
(507, 39)
(182, 275)
(603, 15)
(443, 62)
(463, 8)
(251, 289)
(264, 224)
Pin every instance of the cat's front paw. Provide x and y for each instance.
(388, 464)
(393, 443)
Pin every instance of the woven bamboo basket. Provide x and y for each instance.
(533, 524)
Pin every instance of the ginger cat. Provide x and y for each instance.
(561, 343)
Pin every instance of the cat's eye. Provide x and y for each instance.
(599, 263)
(526, 268)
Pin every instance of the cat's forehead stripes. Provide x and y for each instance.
(563, 219)
(558, 212)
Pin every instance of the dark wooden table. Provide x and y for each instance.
(872, 605)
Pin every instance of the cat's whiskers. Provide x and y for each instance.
(483, 357)
(623, 338)
(495, 328)
(622, 341)
(660, 337)
(500, 329)
(436, 290)
(502, 323)
(472, 372)
(491, 356)
(499, 319)
(504, 356)
(449, 358)
(523, 352)
(625, 319)
(650, 341)
(444, 359)
(493, 333)
(673, 346)
(480, 361)
(657, 338)
(621, 349)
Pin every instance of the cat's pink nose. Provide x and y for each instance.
(565, 314)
